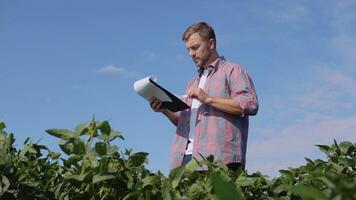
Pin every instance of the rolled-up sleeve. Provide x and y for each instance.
(243, 91)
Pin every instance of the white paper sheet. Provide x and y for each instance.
(147, 90)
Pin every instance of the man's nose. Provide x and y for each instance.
(191, 53)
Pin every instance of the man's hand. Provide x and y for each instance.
(227, 105)
(156, 105)
(199, 94)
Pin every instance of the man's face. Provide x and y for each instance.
(199, 49)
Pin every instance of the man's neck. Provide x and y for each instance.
(212, 59)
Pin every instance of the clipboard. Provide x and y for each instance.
(148, 88)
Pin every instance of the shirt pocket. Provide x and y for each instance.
(218, 87)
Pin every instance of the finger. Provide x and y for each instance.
(157, 106)
(191, 93)
(152, 99)
(154, 102)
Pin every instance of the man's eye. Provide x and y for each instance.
(195, 47)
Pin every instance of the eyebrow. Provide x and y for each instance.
(193, 46)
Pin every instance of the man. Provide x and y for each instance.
(221, 96)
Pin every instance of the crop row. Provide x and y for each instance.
(91, 167)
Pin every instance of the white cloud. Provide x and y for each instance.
(346, 45)
(288, 13)
(231, 39)
(343, 22)
(331, 90)
(322, 110)
(112, 69)
(297, 141)
(149, 56)
(344, 82)
(276, 11)
(343, 15)
(180, 57)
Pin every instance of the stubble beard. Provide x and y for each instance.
(203, 61)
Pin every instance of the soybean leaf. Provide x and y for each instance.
(105, 128)
(175, 176)
(28, 149)
(111, 150)
(335, 143)
(175, 183)
(328, 182)
(351, 149)
(344, 147)
(72, 160)
(26, 141)
(324, 148)
(132, 195)
(309, 161)
(4, 184)
(73, 146)
(61, 133)
(101, 148)
(224, 189)
(137, 159)
(281, 188)
(2, 125)
(114, 135)
(150, 180)
(286, 173)
(308, 192)
(98, 178)
(192, 165)
(244, 181)
(80, 177)
(81, 129)
(196, 191)
(210, 158)
(54, 155)
(32, 183)
(39, 147)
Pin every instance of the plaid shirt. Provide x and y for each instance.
(218, 133)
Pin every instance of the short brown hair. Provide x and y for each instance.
(205, 31)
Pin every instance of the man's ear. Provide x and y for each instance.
(211, 43)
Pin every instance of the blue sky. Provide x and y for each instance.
(61, 62)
